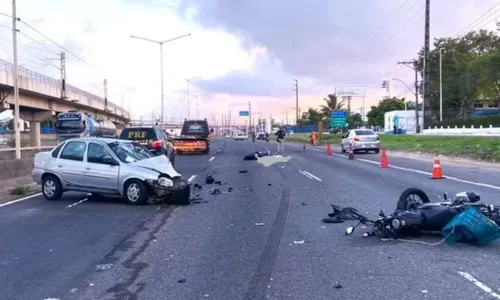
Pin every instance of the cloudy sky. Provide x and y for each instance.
(240, 50)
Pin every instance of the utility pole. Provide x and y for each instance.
(440, 84)
(188, 99)
(414, 66)
(105, 95)
(249, 117)
(62, 69)
(197, 108)
(348, 105)
(427, 73)
(63, 75)
(229, 119)
(17, 129)
(296, 99)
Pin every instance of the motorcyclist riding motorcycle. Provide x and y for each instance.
(267, 137)
(253, 136)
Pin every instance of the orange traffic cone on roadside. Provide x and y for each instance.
(437, 172)
(351, 152)
(328, 150)
(384, 163)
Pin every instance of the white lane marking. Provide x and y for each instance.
(20, 199)
(319, 150)
(305, 174)
(479, 284)
(211, 158)
(318, 179)
(76, 203)
(191, 178)
(425, 173)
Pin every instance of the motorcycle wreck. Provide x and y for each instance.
(461, 219)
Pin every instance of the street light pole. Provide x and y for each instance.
(440, 84)
(17, 129)
(161, 65)
(162, 91)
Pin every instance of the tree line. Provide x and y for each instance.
(375, 116)
(471, 80)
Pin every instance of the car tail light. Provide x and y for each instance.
(356, 139)
(157, 144)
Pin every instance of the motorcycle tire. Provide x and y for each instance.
(405, 203)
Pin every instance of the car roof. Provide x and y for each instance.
(97, 139)
(141, 126)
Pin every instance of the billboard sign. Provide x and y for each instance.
(353, 91)
(244, 113)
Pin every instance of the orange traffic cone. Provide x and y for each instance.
(328, 150)
(437, 172)
(384, 163)
(351, 152)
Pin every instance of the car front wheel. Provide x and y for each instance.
(51, 188)
(136, 192)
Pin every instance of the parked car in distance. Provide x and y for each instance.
(361, 140)
(153, 137)
(108, 167)
(240, 137)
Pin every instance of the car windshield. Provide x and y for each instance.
(365, 132)
(128, 152)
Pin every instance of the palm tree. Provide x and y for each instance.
(332, 103)
(313, 115)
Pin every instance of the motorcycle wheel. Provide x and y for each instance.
(407, 199)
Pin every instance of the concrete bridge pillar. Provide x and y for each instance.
(34, 118)
(35, 140)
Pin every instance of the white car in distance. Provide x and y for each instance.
(240, 137)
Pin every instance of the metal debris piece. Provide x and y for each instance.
(214, 191)
(209, 179)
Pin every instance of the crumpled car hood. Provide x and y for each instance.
(159, 164)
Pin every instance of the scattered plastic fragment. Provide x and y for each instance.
(209, 179)
(259, 224)
(298, 242)
(183, 280)
(214, 192)
(337, 285)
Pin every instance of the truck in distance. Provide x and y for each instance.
(194, 137)
(77, 124)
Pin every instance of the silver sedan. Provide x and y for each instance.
(361, 140)
(108, 167)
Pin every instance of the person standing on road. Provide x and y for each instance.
(280, 138)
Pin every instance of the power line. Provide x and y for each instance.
(48, 39)
(391, 38)
(468, 27)
(355, 66)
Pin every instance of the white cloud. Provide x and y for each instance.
(99, 32)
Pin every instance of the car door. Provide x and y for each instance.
(70, 165)
(345, 141)
(101, 169)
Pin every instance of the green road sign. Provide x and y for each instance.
(338, 118)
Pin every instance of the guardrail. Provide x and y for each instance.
(463, 131)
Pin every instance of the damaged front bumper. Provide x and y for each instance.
(176, 191)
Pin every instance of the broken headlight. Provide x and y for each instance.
(165, 182)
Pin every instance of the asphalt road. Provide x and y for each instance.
(261, 238)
